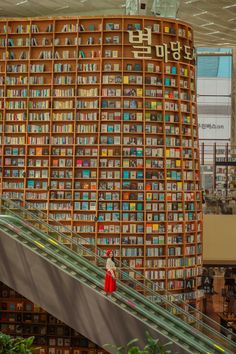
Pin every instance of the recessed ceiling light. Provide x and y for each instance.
(200, 13)
(62, 8)
(213, 32)
(191, 1)
(227, 7)
(21, 2)
(207, 24)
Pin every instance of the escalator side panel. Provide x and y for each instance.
(69, 300)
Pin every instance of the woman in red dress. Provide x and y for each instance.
(110, 279)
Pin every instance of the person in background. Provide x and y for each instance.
(110, 279)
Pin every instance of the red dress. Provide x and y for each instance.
(110, 281)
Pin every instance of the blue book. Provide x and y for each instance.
(137, 67)
(86, 173)
(173, 70)
(139, 152)
(30, 184)
(167, 81)
(125, 206)
(110, 129)
(125, 217)
(126, 115)
(125, 174)
(104, 104)
(139, 174)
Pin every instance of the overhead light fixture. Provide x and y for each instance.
(223, 43)
(62, 8)
(228, 6)
(21, 2)
(213, 32)
(207, 24)
(191, 1)
(200, 13)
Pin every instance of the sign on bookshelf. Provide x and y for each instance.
(165, 51)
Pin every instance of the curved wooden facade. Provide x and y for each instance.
(99, 130)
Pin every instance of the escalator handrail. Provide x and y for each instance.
(134, 293)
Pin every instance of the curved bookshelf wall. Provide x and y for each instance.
(99, 130)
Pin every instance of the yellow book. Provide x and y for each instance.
(155, 227)
(132, 206)
(178, 163)
(179, 185)
(153, 105)
(167, 153)
(139, 92)
(139, 116)
(125, 79)
(166, 29)
(149, 196)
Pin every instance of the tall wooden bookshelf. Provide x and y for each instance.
(99, 130)
(19, 317)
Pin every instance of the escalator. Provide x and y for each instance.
(68, 284)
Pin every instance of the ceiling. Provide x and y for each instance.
(214, 21)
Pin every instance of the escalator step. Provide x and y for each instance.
(114, 299)
(175, 339)
(75, 262)
(123, 305)
(63, 266)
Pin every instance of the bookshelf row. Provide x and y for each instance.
(72, 25)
